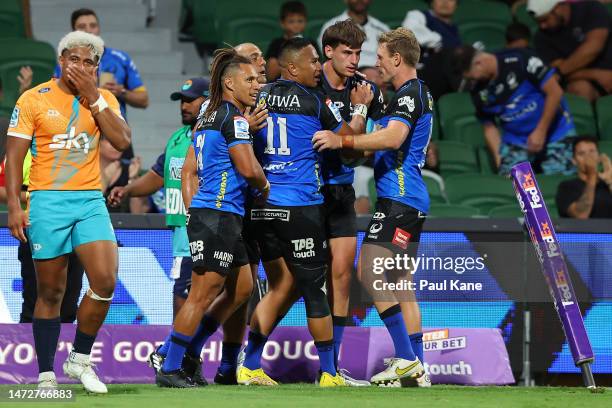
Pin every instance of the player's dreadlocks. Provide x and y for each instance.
(224, 59)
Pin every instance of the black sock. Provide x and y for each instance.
(46, 333)
(83, 343)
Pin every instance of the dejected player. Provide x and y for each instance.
(61, 121)
(403, 200)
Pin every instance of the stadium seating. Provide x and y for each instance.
(605, 146)
(582, 112)
(393, 12)
(548, 185)
(435, 187)
(452, 211)
(453, 106)
(485, 161)
(490, 34)
(603, 107)
(522, 16)
(482, 10)
(17, 52)
(456, 158)
(258, 30)
(11, 19)
(372, 192)
(204, 29)
(506, 211)
(478, 190)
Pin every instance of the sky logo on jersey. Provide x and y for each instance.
(14, 117)
(69, 141)
(406, 101)
(334, 109)
(241, 128)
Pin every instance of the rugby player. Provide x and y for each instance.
(61, 121)
(399, 154)
(222, 155)
(341, 82)
(291, 225)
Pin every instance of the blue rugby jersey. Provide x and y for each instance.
(284, 146)
(334, 172)
(221, 186)
(397, 173)
(515, 98)
(122, 67)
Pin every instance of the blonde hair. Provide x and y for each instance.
(82, 39)
(404, 42)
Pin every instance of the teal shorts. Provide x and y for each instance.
(62, 220)
(180, 242)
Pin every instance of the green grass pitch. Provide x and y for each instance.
(305, 395)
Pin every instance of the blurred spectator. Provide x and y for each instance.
(25, 78)
(518, 35)
(357, 10)
(590, 194)
(117, 173)
(516, 89)
(574, 37)
(293, 18)
(434, 28)
(362, 205)
(438, 36)
(116, 71)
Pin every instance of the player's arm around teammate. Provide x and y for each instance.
(403, 200)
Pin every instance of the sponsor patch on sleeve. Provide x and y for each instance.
(241, 128)
(14, 118)
(334, 109)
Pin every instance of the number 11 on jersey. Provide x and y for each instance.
(284, 149)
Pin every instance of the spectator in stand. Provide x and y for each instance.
(590, 194)
(574, 37)
(116, 72)
(518, 35)
(357, 10)
(438, 36)
(516, 89)
(293, 19)
(362, 205)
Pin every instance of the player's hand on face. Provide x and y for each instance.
(606, 173)
(17, 222)
(536, 141)
(362, 94)
(256, 117)
(116, 196)
(84, 82)
(326, 140)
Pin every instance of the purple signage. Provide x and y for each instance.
(555, 271)
(452, 356)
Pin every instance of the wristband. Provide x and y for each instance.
(100, 105)
(348, 142)
(361, 110)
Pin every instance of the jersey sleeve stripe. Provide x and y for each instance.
(19, 135)
(237, 142)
